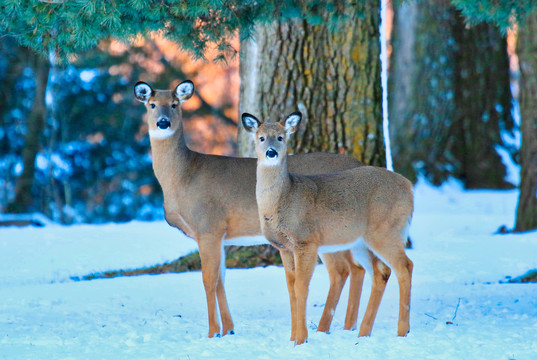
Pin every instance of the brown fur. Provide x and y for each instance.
(211, 198)
(307, 212)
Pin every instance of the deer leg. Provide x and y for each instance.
(355, 292)
(381, 274)
(402, 265)
(338, 271)
(209, 248)
(289, 264)
(225, 315)
(305, 261)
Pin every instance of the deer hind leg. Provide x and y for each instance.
(355, 292)
(305, 261)
(381, 274)
(289, 264)
(210, 254)
(337, 265)
(392, 251)
(225, 315)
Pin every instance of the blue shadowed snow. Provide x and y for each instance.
(459, 308)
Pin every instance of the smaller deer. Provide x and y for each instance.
(366, 210)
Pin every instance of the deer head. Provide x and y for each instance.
(271, 137)
(163, 107)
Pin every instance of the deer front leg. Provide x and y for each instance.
(225, 315)
(209, 248)
(289, 264)
(305, 261)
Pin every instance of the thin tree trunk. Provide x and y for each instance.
(526, 216)
(331, 76)
(35, 124)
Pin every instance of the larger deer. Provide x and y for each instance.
(212, 199)
(366, 210)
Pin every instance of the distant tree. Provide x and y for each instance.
(35, 124)
(523, 13)
(449, 97)
(526, 216)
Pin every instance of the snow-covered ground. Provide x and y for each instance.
(459, 308)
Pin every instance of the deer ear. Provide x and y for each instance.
(292, 121)
(142, 91)
(184, 90)
(250, 122)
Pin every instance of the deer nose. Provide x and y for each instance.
(163, 123)
(271, 153)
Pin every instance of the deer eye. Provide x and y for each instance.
(174, 106)
(280, 138)
(152, 106)
(262, 138)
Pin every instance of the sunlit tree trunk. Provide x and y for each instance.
(35, 124)
(331, 76)
(526, 217)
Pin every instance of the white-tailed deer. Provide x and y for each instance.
(212, 199)
(366, 210)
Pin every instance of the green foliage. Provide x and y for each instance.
(67, 27)
(503, 13)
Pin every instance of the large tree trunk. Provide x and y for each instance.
(449, 96)
(332, 77)
(482, 102)
(23, 201)
(526, 217)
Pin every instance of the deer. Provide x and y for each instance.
(366, 210)
(211, 199)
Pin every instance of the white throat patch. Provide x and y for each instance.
(161, 133)
(270, 162)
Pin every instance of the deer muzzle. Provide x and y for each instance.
(271, 153)
(163, 123)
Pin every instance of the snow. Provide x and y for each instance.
(460, 310)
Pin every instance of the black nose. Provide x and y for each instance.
(271, 153)
(163, 124)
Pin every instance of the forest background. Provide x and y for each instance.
(462, 86)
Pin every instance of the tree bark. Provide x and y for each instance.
(331, 76)
(23, 201)
(526, 216)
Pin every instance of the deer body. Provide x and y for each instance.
(366, 210)
(212, 199)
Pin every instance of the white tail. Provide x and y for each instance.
(212, 198)
(365, 209)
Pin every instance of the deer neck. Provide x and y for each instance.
(171, 158)
(272, 183)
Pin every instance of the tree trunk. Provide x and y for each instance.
(331, 76)
(526, 216)
(449, 96)
(23, 201)
(483, 104)
(421, 105)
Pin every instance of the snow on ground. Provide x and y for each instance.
(459, 308)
